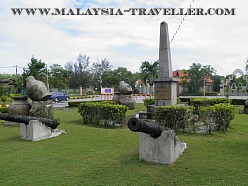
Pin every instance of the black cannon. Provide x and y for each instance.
(25, 119)
(145, 126)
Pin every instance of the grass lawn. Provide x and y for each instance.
(89, 155)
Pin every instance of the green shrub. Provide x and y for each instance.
(218, 116)
(214, 101)
(149, 101)
(74, 103)
(173, 117)
(185, 100)
(77, 103)
(4, 109)
(197, 103)
(12, 95)
(238, 101)
(211, 93)
(4, 98)
(101, 113)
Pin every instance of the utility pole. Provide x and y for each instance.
(16, 69)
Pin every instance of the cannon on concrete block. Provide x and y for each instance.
(145, 126)
(25, 119)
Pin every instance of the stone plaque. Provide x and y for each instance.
(163, 93)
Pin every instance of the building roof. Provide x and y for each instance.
(180, 74)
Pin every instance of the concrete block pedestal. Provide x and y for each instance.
(36, 131)
(165, 149)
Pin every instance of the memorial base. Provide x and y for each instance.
(164, 150)
(165, 91)
(36, 131)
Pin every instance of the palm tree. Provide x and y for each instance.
(148, 72)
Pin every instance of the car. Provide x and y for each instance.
(59, 96)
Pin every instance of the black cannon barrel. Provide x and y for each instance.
(25, 119)
(145, 126)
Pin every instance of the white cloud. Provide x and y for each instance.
(124, 40)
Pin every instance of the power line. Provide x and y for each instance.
(179, 26)
(16, 67)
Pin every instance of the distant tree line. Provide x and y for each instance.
(84, 73)
(80, 73)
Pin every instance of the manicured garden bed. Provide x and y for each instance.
(88, 155)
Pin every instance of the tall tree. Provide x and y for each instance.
(79, 72)
(58, 77)
(216, 82)
(184, 80)
(148, 72)
(196, 76)
(10, 84)
(34, 68)
(112, 78)
(98, 68)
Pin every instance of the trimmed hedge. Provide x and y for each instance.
(233, 101)
(100, 113)
(4, 109)
(173, 117)
(199, 102)
(82, 97)
(216, 113)
(77, 103)
(149, 101)
(200, 94)
(218, 116)
(238, 101)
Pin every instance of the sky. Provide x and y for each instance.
(124, 40)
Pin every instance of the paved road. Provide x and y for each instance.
(209, 97)
(61, 104)
(138, 99)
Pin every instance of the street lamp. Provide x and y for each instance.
(55, 78)
(46, 76)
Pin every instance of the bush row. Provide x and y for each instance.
(233, 101)
(214, 113)
(102, 113)
(81, 97)
(77, 103)
(198, 102)
(173, 117)
(4, 109)
(217, 117)
(200, 94)
(149, 101)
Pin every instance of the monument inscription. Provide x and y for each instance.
(163, 93)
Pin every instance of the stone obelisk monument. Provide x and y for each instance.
(165, 86)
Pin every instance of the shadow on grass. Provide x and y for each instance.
(238, 148)
(12, 139)
(131, 158)
(80, 123)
